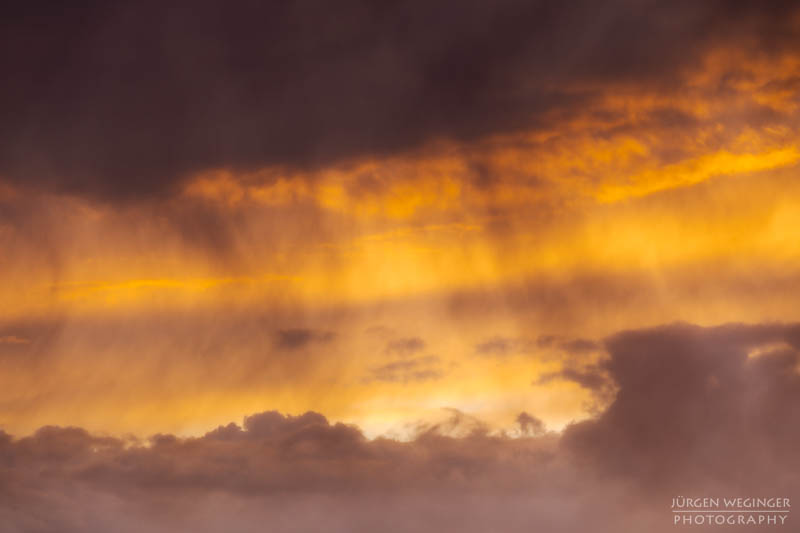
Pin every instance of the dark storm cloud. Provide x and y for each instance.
(122, 100)
(699, 411)
(698, 406)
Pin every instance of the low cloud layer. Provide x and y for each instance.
(698, 412)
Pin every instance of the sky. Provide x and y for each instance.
(408, 266)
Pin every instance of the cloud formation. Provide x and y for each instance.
(126, 101)
(375, 214)
(405, 346)
(698, 406)
(293, 339)
(698, 411)
(422, 368)
(500, 346)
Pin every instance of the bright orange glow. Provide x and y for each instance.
(647, 208)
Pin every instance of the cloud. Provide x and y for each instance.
(699, 411)
(592, 377)
(423, 368)
(495, 346)
(405, 346)
(693, 408)
(501, 346)
(584, 362)
(567, 345)
(296, 338)
(123, 102)
(529, 425)
(455, 424)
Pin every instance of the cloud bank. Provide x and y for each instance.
(125, 101)
(699, 411)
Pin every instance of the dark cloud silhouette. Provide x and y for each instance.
(577, 366)
(529, 425)
(124, 100)
(699, 406)
(457, 424)
(592, 377)
(699, 411)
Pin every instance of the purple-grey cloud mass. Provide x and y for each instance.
(698, 412)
